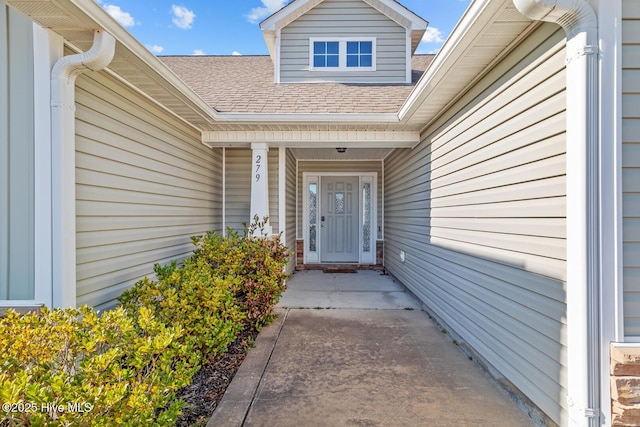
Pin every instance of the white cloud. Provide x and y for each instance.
(124, 18)
(155, 48)
(198, 52)
(182, 17)
(432, 35)
(270, 7)
(236, 53)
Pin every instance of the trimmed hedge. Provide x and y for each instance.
(75, 367)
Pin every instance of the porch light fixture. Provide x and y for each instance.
(341, 150)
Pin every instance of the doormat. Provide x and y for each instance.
(340, 270)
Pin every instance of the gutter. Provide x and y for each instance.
(583, 198)
(63, 182)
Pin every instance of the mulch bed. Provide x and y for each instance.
(205, 392)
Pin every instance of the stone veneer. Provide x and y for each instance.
(625, 384)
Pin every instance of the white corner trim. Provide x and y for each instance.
(611, 220)
(408, 66)
(583, 252)
(276, 60)
(224, 191)
(282, 193)
(47, 49)
(63, 179)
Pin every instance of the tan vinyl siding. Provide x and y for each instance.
(478, 208)
(274, 198)
(17, 246)
(291, 187)
(238, 187)
(144, 185)
(351, 18)
(333, 166)
(631, 164)
(238, 192)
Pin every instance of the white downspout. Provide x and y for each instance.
(63, 180)
(581, 26)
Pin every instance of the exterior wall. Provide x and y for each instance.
(238, 191)
(238, 187)
(17, 192)
(631, 164)
(291, 187)
(477, 210)
(144, 185)
(351, 18)
(338, 166)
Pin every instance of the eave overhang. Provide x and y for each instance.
(487, 32)
(133, 64)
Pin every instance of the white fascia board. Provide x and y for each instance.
(352, 118)
(467, 29)
(414, 21)
(292, 11)
(312, 138)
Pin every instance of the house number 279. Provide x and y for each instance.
(258, 165)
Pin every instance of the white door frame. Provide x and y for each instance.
(313, 257)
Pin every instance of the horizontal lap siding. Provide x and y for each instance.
(335, 167)
(238, 187)
(17, 153)
(353, 18)
(478, 208)
(144, 185)
(291, 187)
(631, 164)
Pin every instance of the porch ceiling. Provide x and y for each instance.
(333, 154)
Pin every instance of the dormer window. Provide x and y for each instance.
(326, 54)
(342, 54)
(359, 54)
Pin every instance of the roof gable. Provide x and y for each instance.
(390, 8)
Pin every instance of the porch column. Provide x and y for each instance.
(260, 184)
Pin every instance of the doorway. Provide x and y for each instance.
(339, 215)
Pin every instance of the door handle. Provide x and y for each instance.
(322, 221)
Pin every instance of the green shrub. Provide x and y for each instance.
(257, 260)
(73, 367)
(196, 298)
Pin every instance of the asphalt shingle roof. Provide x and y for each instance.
(245, 84)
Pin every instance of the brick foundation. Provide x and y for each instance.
(625, 385)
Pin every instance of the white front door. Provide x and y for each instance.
(339, 211)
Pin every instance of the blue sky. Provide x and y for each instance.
(230, 27)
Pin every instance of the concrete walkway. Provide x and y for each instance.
(376, 360)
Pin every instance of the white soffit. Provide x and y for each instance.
(483, 35)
